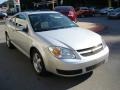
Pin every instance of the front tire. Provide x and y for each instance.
(38, 63)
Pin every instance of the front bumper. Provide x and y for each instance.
(113, 17)
(79, 71)
(74, 67)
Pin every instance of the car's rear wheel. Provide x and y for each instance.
(38, 63)
(8, 42)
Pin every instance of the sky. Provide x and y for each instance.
(1, 1)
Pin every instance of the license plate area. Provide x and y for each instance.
(94, 66)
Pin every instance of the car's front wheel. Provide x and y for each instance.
(8, 42)
(38, 63)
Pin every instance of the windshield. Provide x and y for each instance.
(50, 21)
(84, 8)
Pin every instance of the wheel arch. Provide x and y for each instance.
(41, 54)
(32, 49)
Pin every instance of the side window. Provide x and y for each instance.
(21, 21)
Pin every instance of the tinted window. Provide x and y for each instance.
(50, 21)
(2, 14)
(20, 20)
(63, 9)
(21, 17)
(83, 8)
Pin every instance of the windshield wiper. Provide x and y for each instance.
(55, 28)
(62, 27)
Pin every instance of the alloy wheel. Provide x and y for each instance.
(37, 63)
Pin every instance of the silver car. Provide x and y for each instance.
(115, 14)
(56, 44)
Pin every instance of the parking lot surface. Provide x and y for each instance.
(17, 73)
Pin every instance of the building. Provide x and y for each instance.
(37, 4)
(22, 5)
(95, 3)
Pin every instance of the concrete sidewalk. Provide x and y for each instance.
(91, 26)
(2, 30)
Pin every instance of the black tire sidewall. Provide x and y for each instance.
(7, 37)
(11, 46)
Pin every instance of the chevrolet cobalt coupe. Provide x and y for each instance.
(56, 44)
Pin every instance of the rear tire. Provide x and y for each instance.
(8, 42)
(38, 63)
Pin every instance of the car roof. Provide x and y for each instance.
(83, 7)
(36, 12)
(63, 7)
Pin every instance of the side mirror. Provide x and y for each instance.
(23, 28)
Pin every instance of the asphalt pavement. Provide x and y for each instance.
(17, 73)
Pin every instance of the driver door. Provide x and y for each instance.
(22, 38)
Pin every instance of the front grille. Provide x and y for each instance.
(69, 72)
(91, 50)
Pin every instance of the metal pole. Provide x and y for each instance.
(61, 2)
(53, 4)
(109, 3)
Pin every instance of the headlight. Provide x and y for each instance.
(104, 43)
(62, 53)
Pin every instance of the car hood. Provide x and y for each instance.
(114, 13)
(75, 38)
